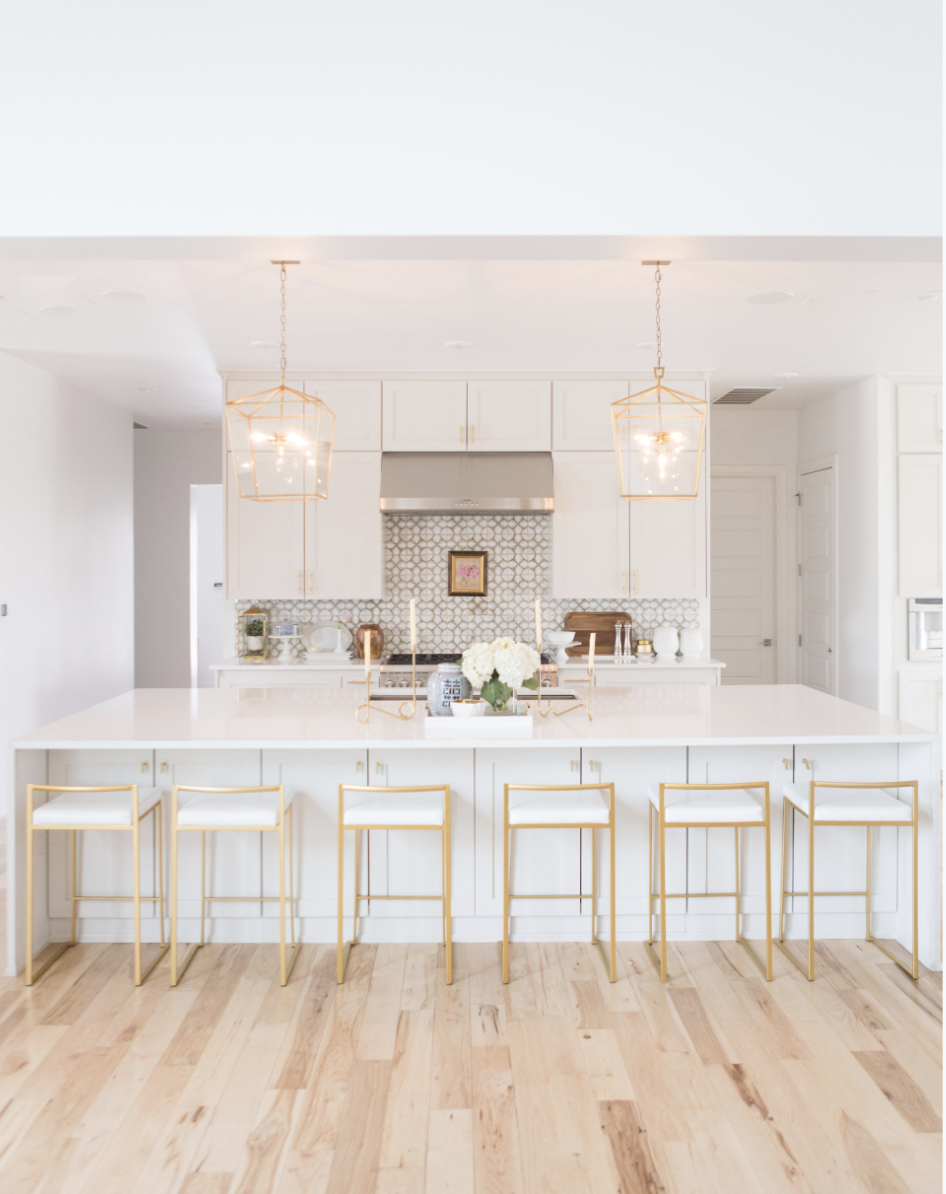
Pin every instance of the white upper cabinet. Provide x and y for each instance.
(919, 418)
(589, 528)
(920, 484)
(265, 551)
(668, 548)
(424, 416)
(356, 406)
(343, 552)
(509, 416)
(581, 414)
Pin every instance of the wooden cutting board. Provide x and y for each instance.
(602, 624)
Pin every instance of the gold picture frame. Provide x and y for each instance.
(467, 573)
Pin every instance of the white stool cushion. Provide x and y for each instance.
(734, 804)
(93, 808)
(559, 808)
(239, 810)
(853, 804)
(400, 808)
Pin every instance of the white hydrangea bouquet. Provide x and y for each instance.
(498, 668)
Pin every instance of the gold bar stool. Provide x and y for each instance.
(75, 810)
(394, 808)
(577, 806)
(212, 810)
(712, 806)
(862, 804)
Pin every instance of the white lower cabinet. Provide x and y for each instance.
(921, 695)
(590, 540)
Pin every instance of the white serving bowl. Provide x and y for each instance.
(470, 708)
(560, 639)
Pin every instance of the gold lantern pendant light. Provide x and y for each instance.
(281, 439)
(658, 436)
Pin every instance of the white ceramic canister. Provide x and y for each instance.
(666, 640)
(691, 639)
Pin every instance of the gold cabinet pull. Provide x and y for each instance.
(461, 435)
(299, 581)
(310, 582)
(377, 768)
(572, 764)
(472, 432)
(144, 766)
(164, 768)
(624, 580)
(634, 574)
(788, 764)
(358, 765)
(807, 764)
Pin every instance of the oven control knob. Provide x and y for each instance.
(389, 684)
(403, 684)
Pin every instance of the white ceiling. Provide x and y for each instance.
(351, 312)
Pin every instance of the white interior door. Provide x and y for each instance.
(206, 570)
(742, 578)
(817, 604)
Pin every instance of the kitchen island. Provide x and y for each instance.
(309, 740)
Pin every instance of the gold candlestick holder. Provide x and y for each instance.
(398, 713)
(589, 707)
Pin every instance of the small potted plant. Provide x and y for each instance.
(255, 632)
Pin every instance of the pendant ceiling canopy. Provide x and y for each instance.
(281, 439)
(658, 436)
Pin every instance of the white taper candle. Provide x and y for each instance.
(413, 622)
(591, 652)
(538, 625)
(367, 654)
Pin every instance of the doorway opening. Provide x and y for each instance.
(206, 583)
(817, 577)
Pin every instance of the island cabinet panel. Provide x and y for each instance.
(105, 862)
(234, 860)
(408, 861)
(313, 778)
(632, 772)
(542, 860)
(841, 851)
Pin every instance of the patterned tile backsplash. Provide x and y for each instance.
(415, 565)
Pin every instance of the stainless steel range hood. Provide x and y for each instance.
(466, 483)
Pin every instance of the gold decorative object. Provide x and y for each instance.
(254, 647)
(281, 439)
(589, 680)
(658, 436)
(406, 709)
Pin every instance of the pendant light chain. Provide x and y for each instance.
(282, 310)
(659, 344)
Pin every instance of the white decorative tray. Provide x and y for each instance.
(472, 728)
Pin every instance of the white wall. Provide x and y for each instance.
(167, 463)
(542, 116)
(66, 552)
(848, 425)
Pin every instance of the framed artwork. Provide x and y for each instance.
(466, 574)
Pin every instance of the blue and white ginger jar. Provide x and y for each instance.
(446, 684)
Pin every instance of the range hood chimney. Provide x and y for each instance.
(466, 483)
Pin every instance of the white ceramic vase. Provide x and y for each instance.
(691, 639)
(666, 640)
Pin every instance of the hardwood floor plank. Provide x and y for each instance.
(924, 999)
(401, 1181)
(604, 1065)
(207, 1183)
(420, 977)
(305, 1173)
(549, 988)
(866, 1010)
(496, 1161)
(266, 1143)
(868, 1160)
(315, 1003)
(450, 1152)
(378, 1032)
(205, 1011)
(451, 1080)
(686, 1001)
(900, 1090)
(355, 1164)
(927, 1073)
(404, 1139)
(633, 1158)
(487, 1000)
(16, 1116)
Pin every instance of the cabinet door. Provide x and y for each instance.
(356, 406)
(919, 418)
(265, 557)
(424, 416)
(668, 548)
(509, 416)
(921, 696)
(589, 527)
(343, 534)
(921, 527)
(581, 414)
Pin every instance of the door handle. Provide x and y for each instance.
(766, 642)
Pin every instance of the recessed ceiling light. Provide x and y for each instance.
(648, 344)
(263, 344)
(784, 376)
(210, 422)
(930, 296)
(769, 297)
(145, 389)
(123, 296)
(458, 344)
(56, 311)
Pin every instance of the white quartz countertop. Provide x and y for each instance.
(327, 660)
(664, 662)
(644, 715)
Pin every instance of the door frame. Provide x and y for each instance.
(815, 466)
(784, 552)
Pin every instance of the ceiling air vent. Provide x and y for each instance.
(741, 396)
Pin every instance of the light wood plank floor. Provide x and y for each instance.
(398, 1084)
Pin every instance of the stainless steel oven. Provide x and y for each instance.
(925, 628)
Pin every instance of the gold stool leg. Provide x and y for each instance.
(868, 883)
(29, 888)
(505, 899)
(72, 835)
(811, 893)
(661, 831)
(340, 957)
(768, 887)
(650, 873)
(446, 835)
(174, 975)
(613, 958)
(594, 882)
(160, 831)
(203, 880)
(282, 899)
(736, 832)
(136, 895)
(916, 850)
